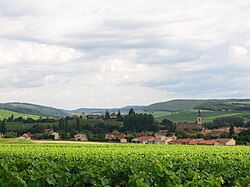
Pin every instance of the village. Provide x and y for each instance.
(160, 137)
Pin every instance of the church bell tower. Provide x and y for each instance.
(199, 118)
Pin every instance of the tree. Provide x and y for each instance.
(10, 135)
(119, 116)
(169, 125)
(131, 112)
(78, 125)
(3, 128)
(11, 118)
(231, 131)
(107, 116)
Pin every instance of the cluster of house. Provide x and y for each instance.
(54, 135)
(95, 116)
(189, 128)
(157, 139)
(161, 139)
(191, 141)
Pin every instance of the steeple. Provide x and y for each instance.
(199, 118)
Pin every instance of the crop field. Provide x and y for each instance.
(123, 165)
(191, 115)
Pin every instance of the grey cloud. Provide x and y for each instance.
(175, 46)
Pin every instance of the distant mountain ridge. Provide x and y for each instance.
(206, 104)
(111, 110)
(174, 105)
(168, 106)
(28, 108)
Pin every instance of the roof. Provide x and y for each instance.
(223, 140)
(195, 141)
(181, 141)
(205, 132)
(207, 142)
(145, 138)
(26, 136)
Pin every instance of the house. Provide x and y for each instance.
(188, 126)
(144, 140)
(164, 139)
(185, 141)
(83, 116)
(226, 141)
(113, 116)
(48, 131)
(115, 136)
(195, 141)
(80, 137)
(160, 139)
(55, 135)
(25, 136)
(205, 132)
(208, 142)
(92, 116)
(123, 140)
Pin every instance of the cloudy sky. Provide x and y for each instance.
(112, 53)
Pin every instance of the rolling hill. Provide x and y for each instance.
(226, 105)
(32, 109)
(102, 110)
(207, 115)
(5, 114)
(174, 105)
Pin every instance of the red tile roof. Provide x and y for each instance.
(207, 142)
(145, 138)
(223, 140)
(181, 141)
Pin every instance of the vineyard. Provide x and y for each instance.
(123, 165)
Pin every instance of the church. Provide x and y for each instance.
(191, 127)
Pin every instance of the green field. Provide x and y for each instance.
(14, 141)
(123, 165)
(191, 115)
(4, 114)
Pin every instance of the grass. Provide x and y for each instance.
(14, 141)
(4, 114)
(191, 115)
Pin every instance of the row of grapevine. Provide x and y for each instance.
(123, 165)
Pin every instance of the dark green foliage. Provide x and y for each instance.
(3, 128)
(10, 135)
(107, 115)
(123, 165)
(139, 122)
(119, 116)
(168, 125)
(231, 131)
(227, 121)
(131, 112)
(226, 105)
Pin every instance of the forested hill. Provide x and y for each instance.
(27, 108)
(226, 105)
(174, 105)
(212, 104)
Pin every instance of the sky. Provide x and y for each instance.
(112, 53)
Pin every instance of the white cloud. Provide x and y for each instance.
(25, 52)
(237, 51)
